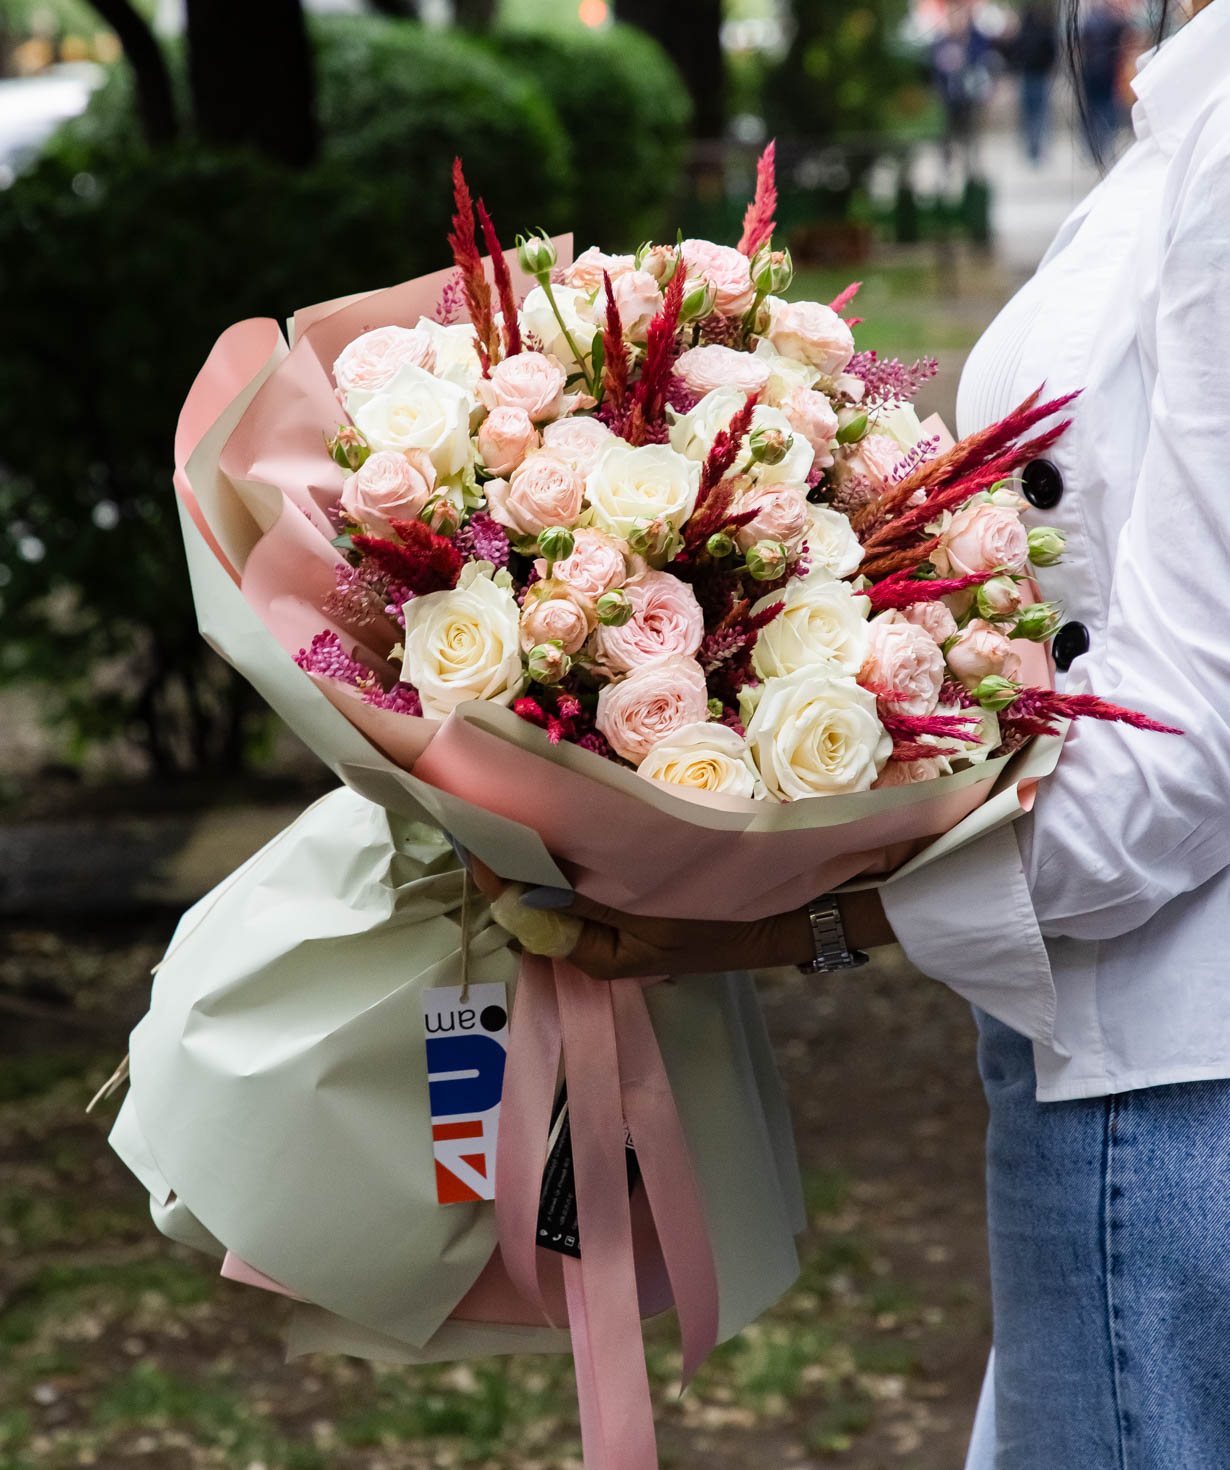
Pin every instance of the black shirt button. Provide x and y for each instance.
(1043, 484)
(1068, 644)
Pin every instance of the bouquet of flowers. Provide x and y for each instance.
(631, 576)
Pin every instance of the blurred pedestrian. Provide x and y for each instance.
(1104, 35)
(962, 63)
(1033, 52)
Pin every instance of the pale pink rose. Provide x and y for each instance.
(585, 272)
(875, 458)
(726, 269)
(543, 491)
(639, 300)
(666, 619)
(506, 436)
(908, 773)
(389, 486)
(812, 415)
(598, 564)
(578, 441)
(812, 333)
(982, 538)
(981, 650)
(371, 361)
(933, 618)
(781, 515)
(651, 703)
(554, 613)
(705, 369)
(530, 381)
(1001, 597)
(907, 660)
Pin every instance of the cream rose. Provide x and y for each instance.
(780, 515)
(811, 333)
(705, 369)
(651, 703)
(906, 659)
(577, 441)
(706, 757)
(554, 612)
(543, 491)
(630, 485)
(463, 645)
(639, 300)
(981, 649)
(726, 269)
(811, 415)
(456, 352)
(389, 487)
(586, 271)
(371, 361)
(692, 434)
(418, 411)
(933, 617)
(899, 421)
(822, 624)
(786, 374)
(666, 619)
(982, 538)
(530, 381)
(598, 564)
(538, 321)
(505, 437)
(832, 545)
(816, 733)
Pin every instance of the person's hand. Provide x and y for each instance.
(617, 946)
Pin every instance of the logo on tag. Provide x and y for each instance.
(467, 1046)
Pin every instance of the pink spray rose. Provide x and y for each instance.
(530, 381)
(981, 538)
(705, 369)
(585, 272)
(554, 613)
(812, 415)
(651, 703)
(933, 618)
(781, 515)
(982, 649)
(639, 300)
(907, 660)
(577, 441)
(507, 435)
(598, 564)
(875, 458)
(389, 486)
(908, 773)
(812, 333)
(371, 361)
(666, 620)
(726, 269)
(543, 491)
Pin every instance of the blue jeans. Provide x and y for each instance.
(1109, 1222)
(1035, 103)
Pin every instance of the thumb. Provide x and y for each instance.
(596, 913)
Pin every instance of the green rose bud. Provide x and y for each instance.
(1037, 621)
(656, 540)
(853, 429)
(348, 447)
(536, 254)
(1046, 545)
(720, 545)
(547, 663)
(659, 261)
(555, 543)
(698, 301)
(441, 515)
(998, 598)
(769, 446)
(995, 692)
(614, 608)
(767, 560)
(772, 271)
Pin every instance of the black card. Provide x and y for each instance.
(557, 1204)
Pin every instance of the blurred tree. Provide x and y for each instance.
(252, 79)
(475, 15)
(398, 9)
(153, 81)
(690, 31)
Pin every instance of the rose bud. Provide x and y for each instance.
(348, 447)
(660, 261)
(698, 301)
(715, 708)
(1046, 545)
(772, 271)
(853, 427)
(769, 446)
(547, 663)
(441, 515)
(998, 598)
(1038, 621)
(720, 545)
(995, 692)
(555, 543)
(614, 608)
(536, 255)
(655, 540)
(767, 560)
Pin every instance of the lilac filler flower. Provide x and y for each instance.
(483, 539)
(329, 660)
(891, 379)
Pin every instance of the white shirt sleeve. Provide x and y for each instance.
(1130, 819)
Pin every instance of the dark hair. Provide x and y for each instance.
(1079, 58)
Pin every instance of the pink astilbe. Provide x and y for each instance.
(758, 221)
(616, 365)
(713, 498)
(423, 562)
(844, 298)
(901, 590)
(470, 265)
(644, 421)
(503, 283)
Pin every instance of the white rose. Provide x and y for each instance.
(899, 421)
(822, 624)
(539, 322)
(693, 433)
(815, 733)
(983, 741)
(832, 545)
(796, 466)
(703, 757)
(650, 482)
(418, 411)
(811, 333)
(785, 373)
(457, 359)
(463, 645)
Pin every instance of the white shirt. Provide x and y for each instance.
(1099, 926)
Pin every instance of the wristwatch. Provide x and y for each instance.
(829, 936)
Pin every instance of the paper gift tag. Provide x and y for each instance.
(467, 1046)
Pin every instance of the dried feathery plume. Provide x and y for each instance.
(902, 590)
(503, 283)
(844, 298)
(616, 367)
(907, 751)
(713, 499)
(907, 558)
(1048, 704)
(423, 562)
(661, 350)
(758, 221)
(470, 264)
(946, 727)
